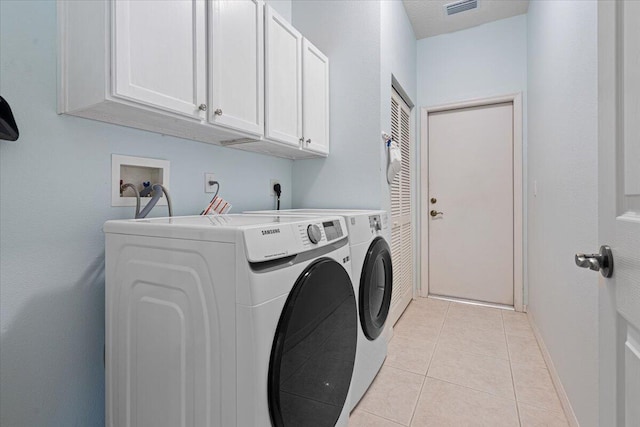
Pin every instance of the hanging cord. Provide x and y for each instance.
(217, 184)
(278, 190)
(166, 194)
(123, 187)
(158, 190)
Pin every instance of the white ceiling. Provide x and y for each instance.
(429, 18)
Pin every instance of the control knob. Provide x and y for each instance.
(313, 231)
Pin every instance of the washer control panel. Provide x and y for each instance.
(375, 223)
(378, 223)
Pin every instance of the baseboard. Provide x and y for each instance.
(562, 394)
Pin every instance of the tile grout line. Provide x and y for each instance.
(380, 416)
(513, 382)
(497, 396)
(487, 356)
(435, 348)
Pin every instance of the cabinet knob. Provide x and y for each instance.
(301, 140)
(309, 141)
(218, 112)
(203, 107)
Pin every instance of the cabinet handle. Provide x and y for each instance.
(218, 112)
(301, 140)
(203, 107)
(309, 141)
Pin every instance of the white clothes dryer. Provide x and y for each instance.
(372, 271)
(232, 320)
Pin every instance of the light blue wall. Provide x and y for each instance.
(367, 43)
(563, 159)
(397, 59)
(348, 32)
(54, 198)
(480, 62)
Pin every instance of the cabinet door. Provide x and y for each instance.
(159, 55)
(315, 96)
(237, 65)
(283, 80)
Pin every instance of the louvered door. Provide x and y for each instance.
(401, 233)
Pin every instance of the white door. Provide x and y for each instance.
(315, 99)
(160, 54)
(237, 64)
(619, 211)
(283, 76)
(401, 211)
(471, 203)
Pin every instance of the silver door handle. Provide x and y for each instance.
(602, 261)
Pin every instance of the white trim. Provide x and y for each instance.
(562, 394)
(118, 160)
(518, 186)
(472, 302)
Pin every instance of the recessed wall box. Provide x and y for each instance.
(136, 171)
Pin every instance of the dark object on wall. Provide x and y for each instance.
(8, 127)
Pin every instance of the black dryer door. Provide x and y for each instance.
(376, 283)
(314, 349)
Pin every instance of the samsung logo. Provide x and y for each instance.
(270, 231)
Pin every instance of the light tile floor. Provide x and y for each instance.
(453, 364)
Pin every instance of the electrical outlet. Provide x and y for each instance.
(271, 184)
(208, 187)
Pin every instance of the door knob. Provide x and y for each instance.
(433, 200)
(602, 262)
(435, 213)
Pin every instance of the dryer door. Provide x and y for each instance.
(376, 282)
(314, 348)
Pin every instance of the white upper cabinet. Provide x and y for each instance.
(160, 54)
(237, 65)
(297, 89)
(228, 72)
(315, 96)
(283, 72)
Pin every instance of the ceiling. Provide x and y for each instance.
(428, 17)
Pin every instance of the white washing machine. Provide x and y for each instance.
(233, 320)
(373, 277)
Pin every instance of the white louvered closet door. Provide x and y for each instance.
(401, 234)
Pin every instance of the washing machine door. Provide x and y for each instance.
(314, 348)
(376, 282)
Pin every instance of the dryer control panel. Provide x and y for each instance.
(286, 239)
(316, 233)
(332, 229)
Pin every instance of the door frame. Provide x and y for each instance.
(518, 189)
